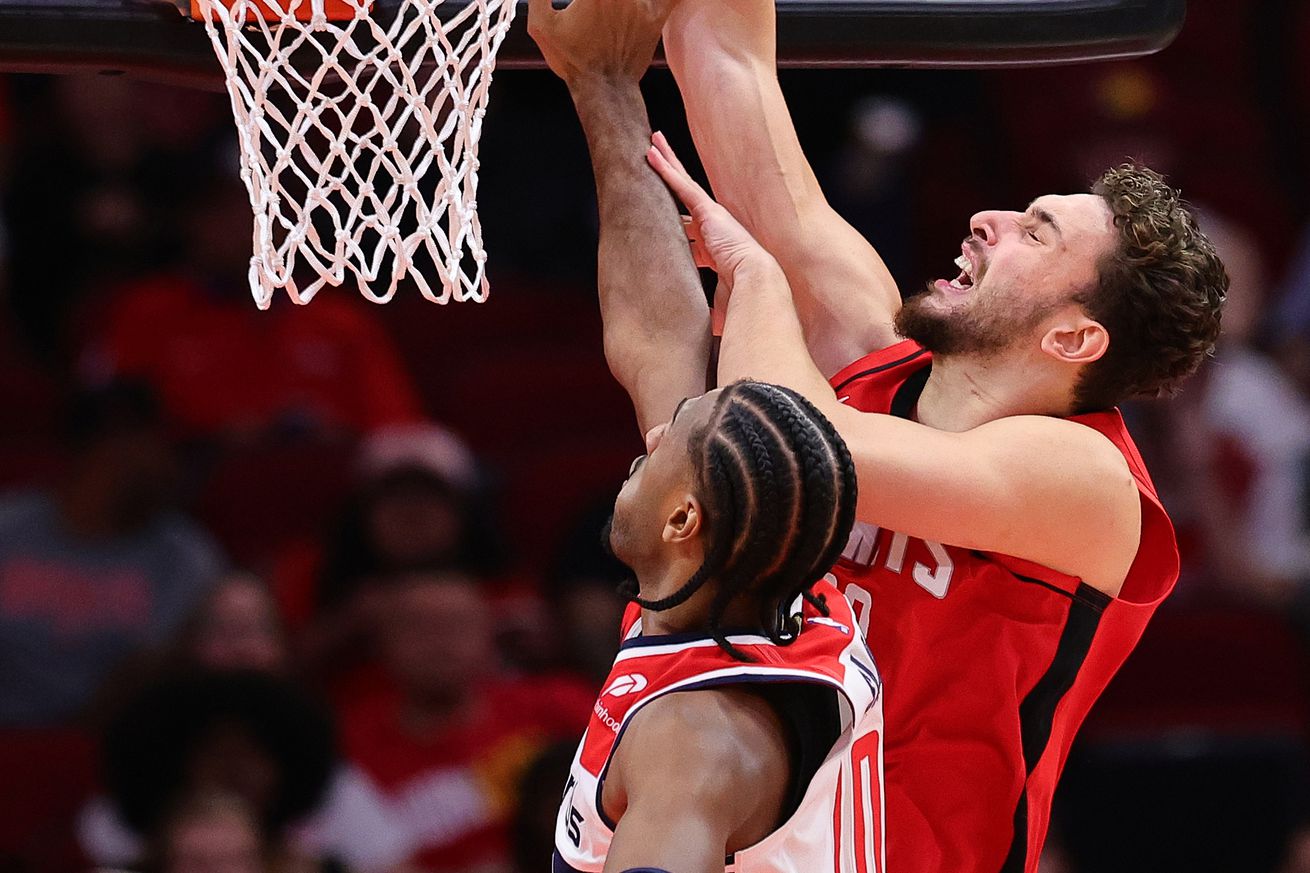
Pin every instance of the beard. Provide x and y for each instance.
(959, 331)
(606, 537)
(984, 326)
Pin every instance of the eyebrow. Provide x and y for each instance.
(1044, 217)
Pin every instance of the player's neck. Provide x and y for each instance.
(693, 615)
(963, 392)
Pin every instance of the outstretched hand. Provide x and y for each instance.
(598, 37)
(718, 240)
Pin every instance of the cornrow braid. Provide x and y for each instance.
(778, 491)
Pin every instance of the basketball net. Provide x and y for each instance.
(359, 136)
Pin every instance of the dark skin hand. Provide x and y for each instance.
(697, 776)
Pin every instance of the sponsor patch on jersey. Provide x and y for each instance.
(628, 683)
(605, 718)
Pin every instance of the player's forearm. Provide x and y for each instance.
(656, 322)
(743, 131)
(762, 336)
(722, 54)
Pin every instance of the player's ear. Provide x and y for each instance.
(684, 523)
(1080, 340)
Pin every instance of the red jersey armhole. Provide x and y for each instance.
(1155, 568)
(884, 357)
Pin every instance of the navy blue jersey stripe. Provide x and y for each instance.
(692, 637)
(719, 681)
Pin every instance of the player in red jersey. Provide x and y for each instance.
(1010, 545)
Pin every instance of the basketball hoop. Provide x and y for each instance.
(359, 132)
(359, 120)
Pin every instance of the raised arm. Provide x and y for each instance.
(723, 54)
(656, 322)
(1034, 487)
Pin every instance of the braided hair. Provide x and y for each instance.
(778, 489)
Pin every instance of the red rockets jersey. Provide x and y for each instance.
(837, 825)
(991, 662)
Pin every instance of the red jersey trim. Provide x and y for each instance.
(884, 359)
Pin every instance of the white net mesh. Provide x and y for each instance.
(359, 140)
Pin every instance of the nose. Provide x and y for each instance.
(986, 227)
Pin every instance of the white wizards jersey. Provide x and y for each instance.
(837, 826)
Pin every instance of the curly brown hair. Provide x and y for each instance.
(1159, 294)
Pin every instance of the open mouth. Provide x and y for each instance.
(964, 281)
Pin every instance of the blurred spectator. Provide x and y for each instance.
(227, 370)
(1253, 409)
(1297, 859)
(1290, 322)
(445, 737)
(237, 628)
(255, 737)
(419, 504)
(211, 833)
(582, 591)
(247, 734)
(539, 793)
(869, 179)
(237, 631)
(92, 180)
(99, 567)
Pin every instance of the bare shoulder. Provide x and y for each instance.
(1084, 445)
(729, 732)
(1071, 465)
(697, 775)
(705, 750)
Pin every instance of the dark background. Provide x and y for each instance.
(121, 264)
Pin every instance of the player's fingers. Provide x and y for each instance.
(678, 183)
(684, 187)
(662, 143)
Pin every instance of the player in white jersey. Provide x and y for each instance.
(825, 694)
(769, 754)
(742, 718)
